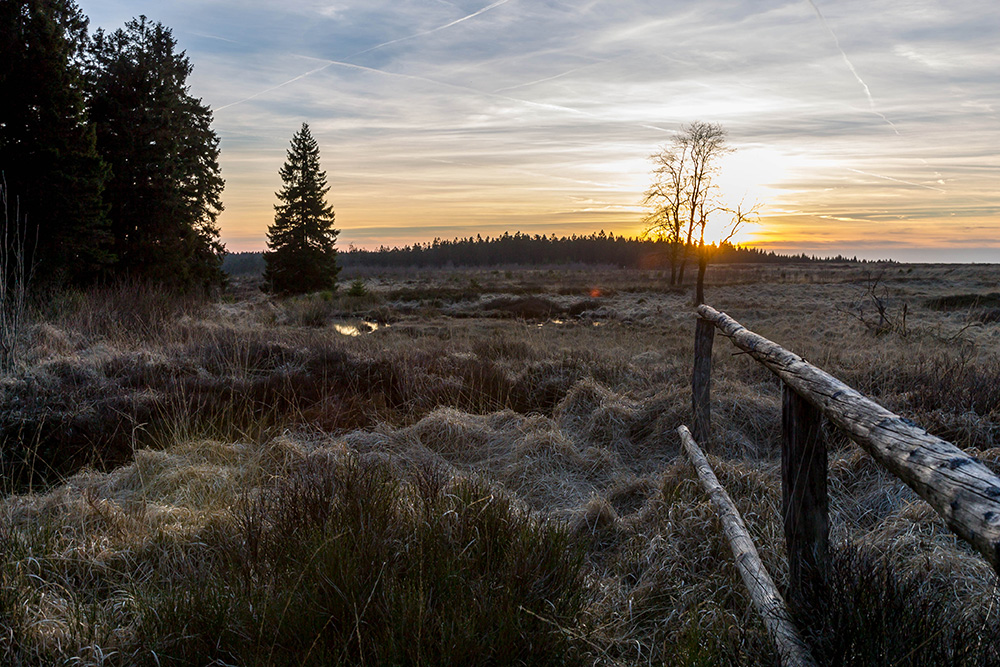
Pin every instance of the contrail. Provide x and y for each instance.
(541, 105)
(897, 180)
(432, 30)
(280, 85)
(455, 86)
(548, 78)
(868, 92)
(349, 65)
(368, 50)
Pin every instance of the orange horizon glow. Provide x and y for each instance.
(432, 125)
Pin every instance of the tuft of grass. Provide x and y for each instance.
(343, 561)
(865, 612)
(124, 312)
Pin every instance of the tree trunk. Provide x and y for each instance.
(702, 265)
(673, 264)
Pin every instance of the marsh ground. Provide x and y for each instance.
(180, 472)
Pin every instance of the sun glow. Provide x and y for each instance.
(744, 179)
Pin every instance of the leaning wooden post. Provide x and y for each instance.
(763, 593)
(701, 380)
(803, 492)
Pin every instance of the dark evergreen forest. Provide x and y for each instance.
(598, 249)
(108, 165)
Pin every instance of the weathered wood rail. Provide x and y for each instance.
(960, 488)
(764, 594)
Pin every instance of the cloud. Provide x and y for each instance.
(469, 114)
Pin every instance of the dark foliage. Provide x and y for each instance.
(165, 186)
(48, 159)
(525, 250)
(243, 264)
(302, 256)
(964, 301)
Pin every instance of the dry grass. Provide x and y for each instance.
(189, 419)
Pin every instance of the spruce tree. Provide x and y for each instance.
(165, 189)
(302, 256)
(53, 174)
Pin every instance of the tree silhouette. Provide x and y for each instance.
(165, 188)
(302, 256)
(48, 160)
(684, 195)
(666, 197)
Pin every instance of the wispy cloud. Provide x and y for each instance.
(462, 115)
(363, 52)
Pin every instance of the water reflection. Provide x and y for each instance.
(559, 322)
(363, 327)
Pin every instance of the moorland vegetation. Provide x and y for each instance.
(474, 467)
(454, 467)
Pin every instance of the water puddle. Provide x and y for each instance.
(559, 322)
(363, 327)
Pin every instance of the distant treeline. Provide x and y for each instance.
(526, 250)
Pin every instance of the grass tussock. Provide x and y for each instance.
(868, 612)
(339, 560)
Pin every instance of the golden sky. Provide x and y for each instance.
(862, 128)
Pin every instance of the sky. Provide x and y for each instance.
(861, 128)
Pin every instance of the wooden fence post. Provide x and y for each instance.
(701, 380)
(803, 491)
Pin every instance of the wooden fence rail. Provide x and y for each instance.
(764, 594)
(960, 488)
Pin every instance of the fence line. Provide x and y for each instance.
(960, 488)
(763, 593)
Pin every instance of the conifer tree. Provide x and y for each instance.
(302, 256)
(165, 189)
(51, 169)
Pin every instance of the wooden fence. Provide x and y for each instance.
(960, 488)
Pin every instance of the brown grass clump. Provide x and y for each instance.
(152, 563)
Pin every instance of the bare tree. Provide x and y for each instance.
(685, 195)
(666, 198)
